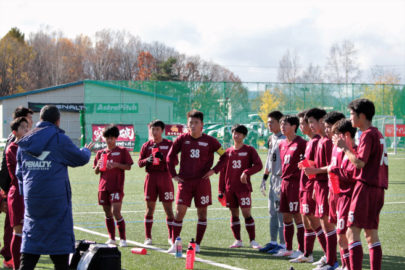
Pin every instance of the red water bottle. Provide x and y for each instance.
(334, 181)
(140, 251)
(308, 164)
(103, 163)
(155, 149)
(190, 257)
(222, 199)
(192, 244)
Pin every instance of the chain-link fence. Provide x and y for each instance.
(224, 103)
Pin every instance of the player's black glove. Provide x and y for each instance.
(149, 161)
(159, 155)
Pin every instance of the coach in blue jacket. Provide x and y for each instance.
(42, 160)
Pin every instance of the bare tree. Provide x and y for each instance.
(288, 68)
(342, 65)
(312, 74)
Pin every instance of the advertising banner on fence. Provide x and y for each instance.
(389, 130)
(175, 130)
(126, 138)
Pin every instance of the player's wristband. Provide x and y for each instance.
(265, 176)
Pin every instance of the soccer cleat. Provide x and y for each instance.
(267, 247)
(8, 264)
(172, 249)
(123, 243)
(197, 248)
(321, 261)
(296, 254)
(170, 241)
(274, 250)
(283, 253)
(236, 244)
(111, 242)
(148, 241)
(255, 245)
(328, 267)
(303, 259)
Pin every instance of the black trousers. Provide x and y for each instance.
(29, 261)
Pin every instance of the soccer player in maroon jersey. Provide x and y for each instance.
(239, 162)
(371, 176)
(158, 181)
(197, 157)
(322, 159)
(19, 128)
(292, 149)
(111, 186)
(344, 129)
(312, 224)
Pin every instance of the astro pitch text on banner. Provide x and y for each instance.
(125, 139)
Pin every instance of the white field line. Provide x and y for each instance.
(225, 266)
(159, 210)
(394, 203)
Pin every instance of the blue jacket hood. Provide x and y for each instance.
(37, 139)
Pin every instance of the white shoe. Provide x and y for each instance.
(321, 261)
(296, 254)
(123, 243)
(111, 242)
(148, 241)
(197, 248)
(236, 244)
(283, 253)
(325, 267)
(303, 259)
(172, 249)
(255, 245)
(170, 241)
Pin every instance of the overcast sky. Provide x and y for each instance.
(248, 37)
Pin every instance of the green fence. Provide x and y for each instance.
(224, 104)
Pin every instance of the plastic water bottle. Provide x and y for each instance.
(179, 247)
(155, 149)
(103, 165)
(190, 257)
(192, 244)
(140, 251)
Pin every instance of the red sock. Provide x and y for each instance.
(356, 256)
(201, 227)
(235, 227)
(169, 223)
(15, 250)
(250, 228)
(288, 235)
(309, 241)
(176, 229)
(375, 256)
(321, 238)
(109, 222)
(346, 258)
(121, 228)
(148, 221)
(300, 237)
(331, 243)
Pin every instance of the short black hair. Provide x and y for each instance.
(276, 115)
(196, 114)
(343, 126)
(16, 123)
(49, 113)
(363, 105)
(240, 129)
(315, 113)
(21, 111)
(292, 120)
(157, 123)
(111, 131)
(333, 116)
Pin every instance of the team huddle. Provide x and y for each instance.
(329, 186)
